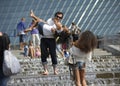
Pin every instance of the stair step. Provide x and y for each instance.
(59, 80)
(102, 70)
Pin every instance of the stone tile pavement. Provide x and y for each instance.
(103, 70)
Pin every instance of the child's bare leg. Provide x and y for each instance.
(35, 17)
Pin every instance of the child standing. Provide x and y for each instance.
(26, 49)
(31, 49)
(37, 52)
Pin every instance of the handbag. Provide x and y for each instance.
(69, 60)
(11, 64)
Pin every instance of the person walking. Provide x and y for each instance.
(21, 26)
(82, 52)
(4, 45)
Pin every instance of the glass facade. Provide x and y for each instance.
(100, 16)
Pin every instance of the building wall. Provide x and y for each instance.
(99, 16)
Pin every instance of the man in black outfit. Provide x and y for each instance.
(48, 41)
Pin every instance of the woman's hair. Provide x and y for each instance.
(4, 45)
(87, 42)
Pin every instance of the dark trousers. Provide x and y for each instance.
(48, 46)
(3, 79)
(22, 38)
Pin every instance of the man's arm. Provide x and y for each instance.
(58, 24)
(30, 28)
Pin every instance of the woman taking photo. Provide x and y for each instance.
(82, 52)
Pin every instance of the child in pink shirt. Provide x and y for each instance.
(37, 52)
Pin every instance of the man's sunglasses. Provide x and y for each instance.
(59, 17)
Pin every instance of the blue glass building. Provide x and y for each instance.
(99, 16)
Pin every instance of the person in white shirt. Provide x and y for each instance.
(82, 52)
(48, 40)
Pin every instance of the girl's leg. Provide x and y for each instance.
(82, 76)
(77, 77)
(32, 52)
(35, 17)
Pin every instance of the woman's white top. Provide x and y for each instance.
(51, 22)
(78, 55)
(47, 28)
